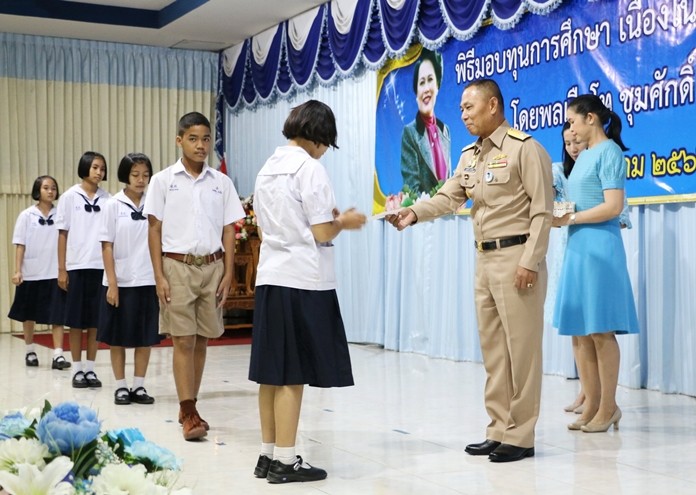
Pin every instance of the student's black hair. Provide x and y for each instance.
(191, 119)
(611, 122)
(491, 87)
(568, 161)
(313, 121)
(36, 188)
(126, 165)
(85, 163)
(436, 59)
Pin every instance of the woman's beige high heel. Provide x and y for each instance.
(600, 428)
(574, 406)
(577, 425)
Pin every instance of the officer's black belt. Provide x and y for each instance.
(501, 243)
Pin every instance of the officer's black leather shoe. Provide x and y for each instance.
(483, 448)
(510, 453)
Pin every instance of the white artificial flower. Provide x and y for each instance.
(164, 482)
(121, 479)
(33, 414)
(166, 478)
(22, 451)
(30, 480)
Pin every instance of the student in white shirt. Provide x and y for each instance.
(36, 268)
(298, 335)
(129, 312)
(80, 265)
(191, 210)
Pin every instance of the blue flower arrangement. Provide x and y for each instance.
(61, 450)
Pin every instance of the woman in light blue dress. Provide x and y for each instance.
(561, 171)
(595, 300)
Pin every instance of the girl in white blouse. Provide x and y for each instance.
(36, 268)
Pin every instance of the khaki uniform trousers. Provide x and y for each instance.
(511, 325)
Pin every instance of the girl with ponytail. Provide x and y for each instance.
(594, 301)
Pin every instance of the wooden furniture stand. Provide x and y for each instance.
(241, 294)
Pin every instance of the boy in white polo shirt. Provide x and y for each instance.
(191, 209)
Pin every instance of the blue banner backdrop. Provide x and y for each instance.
(638, 56)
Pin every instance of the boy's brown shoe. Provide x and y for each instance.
(193, 429)
(203, 421)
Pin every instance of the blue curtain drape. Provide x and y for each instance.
(302, 62)
(264, 76)
(398, 25)
(378, 31)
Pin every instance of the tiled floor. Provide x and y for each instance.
(401, 430)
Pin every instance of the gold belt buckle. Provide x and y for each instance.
(198, 260)
(479, 246)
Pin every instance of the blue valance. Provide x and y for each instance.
(334, 39)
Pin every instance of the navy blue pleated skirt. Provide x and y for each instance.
(78, 308)
(299, 339)
(135, 323)
(33, 301)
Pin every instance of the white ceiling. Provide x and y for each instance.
(215, 25)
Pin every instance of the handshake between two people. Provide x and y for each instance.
(402, 218)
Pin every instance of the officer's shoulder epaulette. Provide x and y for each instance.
(466, 148)
(517, 134)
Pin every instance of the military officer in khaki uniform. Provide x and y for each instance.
(508, 176)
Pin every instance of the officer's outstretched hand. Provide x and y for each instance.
(402, 218)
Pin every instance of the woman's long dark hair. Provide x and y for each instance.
(568, 161)
(611, 122)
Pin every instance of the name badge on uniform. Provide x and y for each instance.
(489, 176)
(498, 161)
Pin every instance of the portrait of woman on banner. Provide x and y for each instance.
(425, 142)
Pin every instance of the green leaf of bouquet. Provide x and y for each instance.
(407, 201)
(47, 407)
(85, 459)
(30, 432)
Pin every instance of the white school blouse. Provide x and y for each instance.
(40, 243)
(193, 211)
(83, 249)
(129, 238)
(293, 192)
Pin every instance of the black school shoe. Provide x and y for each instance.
(59, 363)
(139, 396)
(122, 397)
(262, 465)
(283, 473)
(31, 359)
(92, 380)
(79, 380)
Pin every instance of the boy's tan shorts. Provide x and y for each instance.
(193, 307)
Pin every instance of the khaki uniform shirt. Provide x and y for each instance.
(508, 176)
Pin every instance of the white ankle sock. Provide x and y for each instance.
(121, 384)
(138, 381)
(89, 366)
(57, 352)
(29, 348)
(267, 449)
(76, 367)
(286, 455)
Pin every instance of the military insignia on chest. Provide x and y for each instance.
(498, 161)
